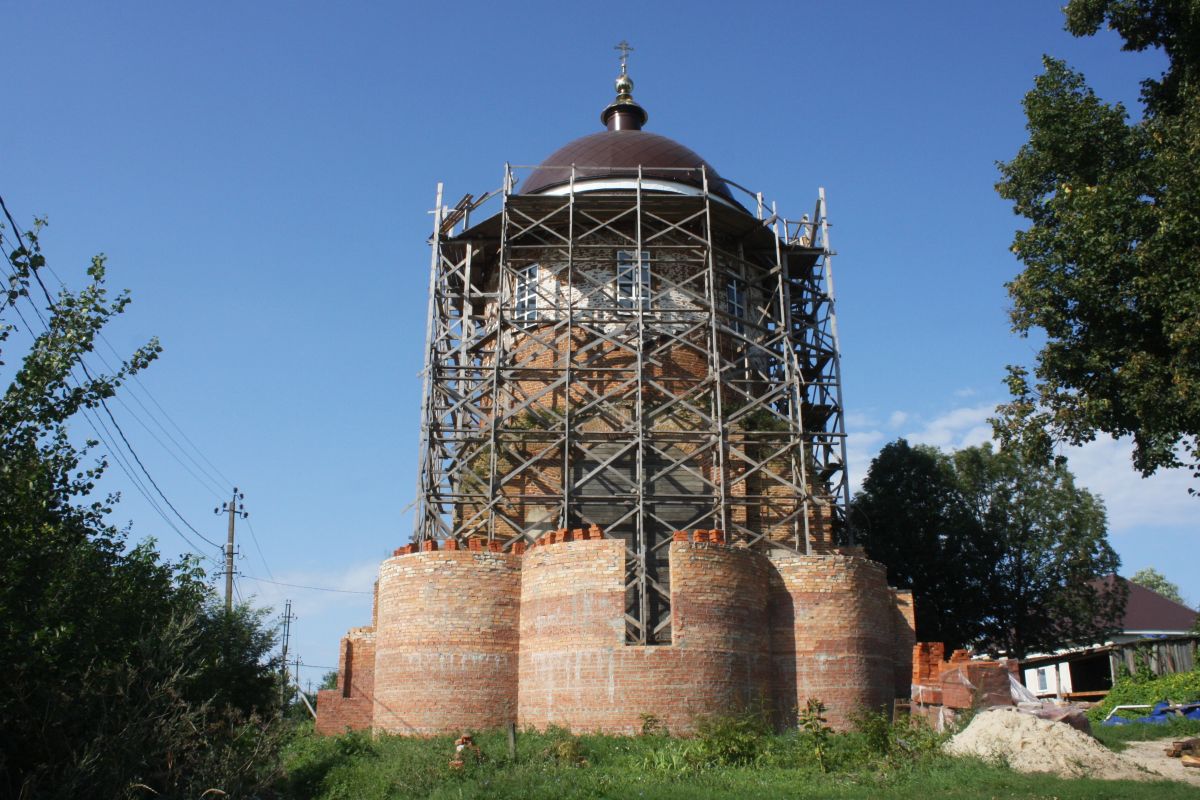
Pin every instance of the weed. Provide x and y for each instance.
(563, 748)
(652, 725)
(731, 739)
(816, 731)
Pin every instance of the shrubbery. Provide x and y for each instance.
(1181, 687)
(740, 750)
(123, 677)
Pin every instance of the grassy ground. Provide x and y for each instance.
(732, 760)
(1116, 736)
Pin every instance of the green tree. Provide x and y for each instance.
(1047, 543)
(1155, 581)
(120, 670)
(1112, 250)
(912, 516)
(999, 552)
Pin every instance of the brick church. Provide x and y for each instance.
(633, 493)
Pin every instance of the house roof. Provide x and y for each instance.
(1149, 611)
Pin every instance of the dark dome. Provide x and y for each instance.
(617, 153)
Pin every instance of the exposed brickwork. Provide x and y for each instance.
(576, 669)
(904, 623)
(472, 638)
(350, 705)
(943, 689)
(599, 367)
(832, 634)
(446, 646)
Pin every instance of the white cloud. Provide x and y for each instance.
(1104, 467)
(858, 419)
(861, 447)
(897, 419)
(957, 428)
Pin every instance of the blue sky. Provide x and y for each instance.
(259, 175)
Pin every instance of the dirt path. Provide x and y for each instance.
(1150, 755)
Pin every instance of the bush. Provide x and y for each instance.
(122, 677)
(730, 740)
(563, 748)
(1181, 687)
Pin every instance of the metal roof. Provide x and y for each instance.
(1146, 610)
(619, 153)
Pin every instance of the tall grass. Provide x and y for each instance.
(729, 757)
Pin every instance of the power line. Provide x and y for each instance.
(175, 425)
(170, 452)
(142, 466)
(254, 538)
(108, 412)
(213, 485)
(138, 381)
(119, 458)
(301, 586)
(216, 484)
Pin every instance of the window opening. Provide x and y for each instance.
(735, 303)
(525, 296)
(633, 279)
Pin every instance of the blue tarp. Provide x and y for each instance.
(1160, 714)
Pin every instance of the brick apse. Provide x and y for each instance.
(473, 639)
(623, 352)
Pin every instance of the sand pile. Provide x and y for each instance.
(1029, 744)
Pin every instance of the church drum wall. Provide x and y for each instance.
(576, 669)
(832, 635)
(446, 642)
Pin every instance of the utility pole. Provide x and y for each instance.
(234, 509)
(299, 691)
(288, 618)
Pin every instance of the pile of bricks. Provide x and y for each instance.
(941, 689)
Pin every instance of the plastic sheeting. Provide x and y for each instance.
(1162, 713)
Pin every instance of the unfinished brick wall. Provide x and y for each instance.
(471, 639)
(832, 635)
(904, 622)
(576, 669)
(446, 644)
(351, 705)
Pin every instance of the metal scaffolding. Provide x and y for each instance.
(642, 360)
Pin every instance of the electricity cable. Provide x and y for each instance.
(298, 585)
(102, 403)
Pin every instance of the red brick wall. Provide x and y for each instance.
(350, 705)
(831, 619)
(904, 623)
(473, 639)
(446, 646)
(576, 669)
